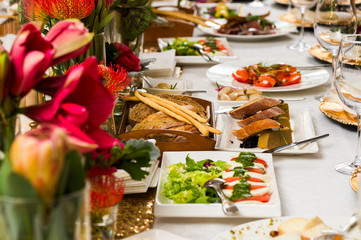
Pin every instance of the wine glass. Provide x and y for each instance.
(303, 5)
(347, 82)
(333, 18)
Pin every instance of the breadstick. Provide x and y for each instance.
(180, 15)
(167, 104)
(213, 130)
(202, 128)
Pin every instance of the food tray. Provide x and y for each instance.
(193, 142)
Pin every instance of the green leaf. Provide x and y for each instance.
(105, 21)
(246, 159)
(133, 22)
(72, 177)
(96, 25)
(137, 3)
(19, 186)
(5, 170)
(99, 7)
(136, 155)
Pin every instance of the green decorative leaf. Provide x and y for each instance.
(105, 21)
(136, 155)
(72, 177)
(18, 186)
(133, 22)
(99, 7)
(137, 3)
(5, 170)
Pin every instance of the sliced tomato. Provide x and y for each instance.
(253, 72)
(256, 170)
(253, 179)
(264, 198)
(241, 75)
(295, 78)
(265, 80)
(232, 179)
(234, 159)
(261, 161)
(228, 170)
(252, 187)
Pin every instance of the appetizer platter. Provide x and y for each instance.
(185, 54)
(320, 53)
(250, 27)
(333, 108)
(294, 17)
(260, 200)
(274, 228)
(218, 10)
(265, 123)
(222, 74)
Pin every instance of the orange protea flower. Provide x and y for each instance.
(32, 10)
(116, 78)
(106, 191)
(65, 9)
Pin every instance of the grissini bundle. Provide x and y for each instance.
(182, 111)
(177, 106)
(175, 112)
(184, 16)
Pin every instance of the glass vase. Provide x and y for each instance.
(103, 222)
(7, 134)
(67, 218)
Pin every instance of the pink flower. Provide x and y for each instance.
(31, 55)
(126, 58)
(70, 39)
(80, 106)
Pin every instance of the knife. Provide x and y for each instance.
(277, 149)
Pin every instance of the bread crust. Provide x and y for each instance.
(255, 127)
(268, 113)
(254, 106)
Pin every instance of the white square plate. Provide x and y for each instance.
(165, 208)
(301, 124)
(162, 42)
(155, 234)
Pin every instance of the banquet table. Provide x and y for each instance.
(308, 184)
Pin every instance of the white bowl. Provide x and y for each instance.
(179, 89)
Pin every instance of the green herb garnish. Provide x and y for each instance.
(246, 159)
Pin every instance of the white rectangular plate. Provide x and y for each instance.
(165, 208)
(301, 124)
(162, 42)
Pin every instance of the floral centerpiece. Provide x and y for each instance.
(46, 165)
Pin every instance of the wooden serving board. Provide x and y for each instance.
(193, 142)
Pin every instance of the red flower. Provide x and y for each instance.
(116, 78)
(127, 59)
(106, 191)
(80, 105)
(32, 10)
(66, 9)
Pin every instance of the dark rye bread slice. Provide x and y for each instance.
(255, 127)
(254, 106)
(141, 110)
(268, 113)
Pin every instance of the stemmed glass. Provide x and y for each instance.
(303, 5)
(333, 19)
(347, 82)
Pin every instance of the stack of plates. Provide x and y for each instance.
(132, 186)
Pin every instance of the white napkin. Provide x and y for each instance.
(163, 66)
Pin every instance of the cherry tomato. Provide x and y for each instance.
(242, 75)
(265, 80)
(294, 78)
(282, 78)
(253, 72)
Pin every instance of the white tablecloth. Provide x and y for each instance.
(308, 184)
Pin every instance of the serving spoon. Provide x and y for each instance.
(228, 206)
(205, 56)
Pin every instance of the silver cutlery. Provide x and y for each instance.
(204, 55)
(313, 67)
(228, 206)
(331, 234)
(278, 149)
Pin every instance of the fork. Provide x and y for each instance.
(205, 56)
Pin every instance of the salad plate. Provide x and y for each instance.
(282, 28)
(222, 74)
(165, 207)
(261, 229)
(301, 124)
(163, 42)
(205, 9)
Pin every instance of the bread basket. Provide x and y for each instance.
(193, 141)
